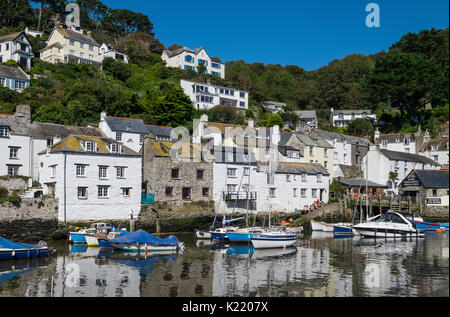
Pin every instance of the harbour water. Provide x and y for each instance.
(318, 266)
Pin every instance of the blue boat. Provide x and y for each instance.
(12, 251)
(342, 230)
(142, 241)
(78, 237)
(429, 226)
(244, 235)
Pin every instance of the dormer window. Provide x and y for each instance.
(115, 148)
(434, 147)
(4, 131)
(90, 146)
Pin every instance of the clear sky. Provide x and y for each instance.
(309, 34)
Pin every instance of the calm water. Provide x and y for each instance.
(319, 266)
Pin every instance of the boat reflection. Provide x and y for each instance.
(10, 269)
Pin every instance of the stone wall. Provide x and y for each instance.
(31, 220)
(436, 212)
(12, 184)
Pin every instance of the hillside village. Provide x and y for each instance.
(107, 169)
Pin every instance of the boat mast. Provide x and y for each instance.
(367, 187)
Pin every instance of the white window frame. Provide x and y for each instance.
(103, 192)
(79, 191)
(80, 170)
(14, 153)
(120, 172)
(231, 172)
(124, 189)
(102, 172)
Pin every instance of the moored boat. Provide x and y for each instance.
(274, 239)
(220, 234)
(10, 250)
(244, 234)
(141, 241)
(389, 225)
(202, 234)
(321, 226)
(430, 226)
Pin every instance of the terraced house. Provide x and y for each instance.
(94, 178)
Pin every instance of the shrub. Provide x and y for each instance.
(3, 192)
(14, 199)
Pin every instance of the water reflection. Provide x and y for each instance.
(320, 265)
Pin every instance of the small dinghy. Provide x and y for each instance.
(10, 250)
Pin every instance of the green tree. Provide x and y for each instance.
(174, 109)
(126, 22)
(359, 127)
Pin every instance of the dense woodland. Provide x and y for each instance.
(406, 86)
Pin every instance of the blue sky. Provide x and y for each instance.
(309, 34)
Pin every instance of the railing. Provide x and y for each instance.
(242, 195)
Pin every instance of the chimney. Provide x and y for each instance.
(251, 123)
(275, 135)
(426, 136)
(204, 118)
(377, 136)
(102, 116)
(23, 112)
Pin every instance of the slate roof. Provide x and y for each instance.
(77, 36)
(13, 72)
(351, 111)
(441, 144)
(300, 168)
(72, 144)
(393, 137)
(306, 114)
(284, 148)
(432, 178)
(9, 37)
(45, 130)
(160, 130)
(341, 137)
(16, 125)
(401, 156)
(127, 125)
(357, 182)
(183, 49)
(163, 149)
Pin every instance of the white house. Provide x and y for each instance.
(341, 118)
(273, 106)
(378, 163)
(205, 96)
(15, 156)
(16, 47)
(14, 78)
(401, 142)
(93, 178)
(71, 45)
(437, 150)
(107, 50)
(129, 132)
(308, 116)
(188, 59)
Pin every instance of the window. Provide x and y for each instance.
(72, 42)
(231, 172)
(216, 74)
(201, 61)
(303, 177)
(53, 171)
(189, 59)
(119, 136)
(2, 80)
(246, 171)
(103, 172)
(81, 45)
(319, 178)
(436, 158)
(314, 193)
(205, 191)
(81, 170)
(200, 174)
(288, 178)
(215, 65)
(242, 94)
(242, 104)
(126, 192)
(50, 142)
(4, 131)
(90, 146)
(325, 152)
(91, 47)
(272, 192)
(82, 192)
(13, 151)
(175, 173)
(434, 147)
(13, 170)
(231, 188)
(120, 172)
(345, 158)
(303, 192)
(169, 191)
(270, 179)
(103, 191)
(435, 193)
(186, 193)
(311, 151)
(19, 84)
(295, 192)
(325, 164)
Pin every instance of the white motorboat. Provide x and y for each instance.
(321, 226)
(203, 235)
(274, 239)
(389, 225)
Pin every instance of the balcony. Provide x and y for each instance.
(242, 195)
